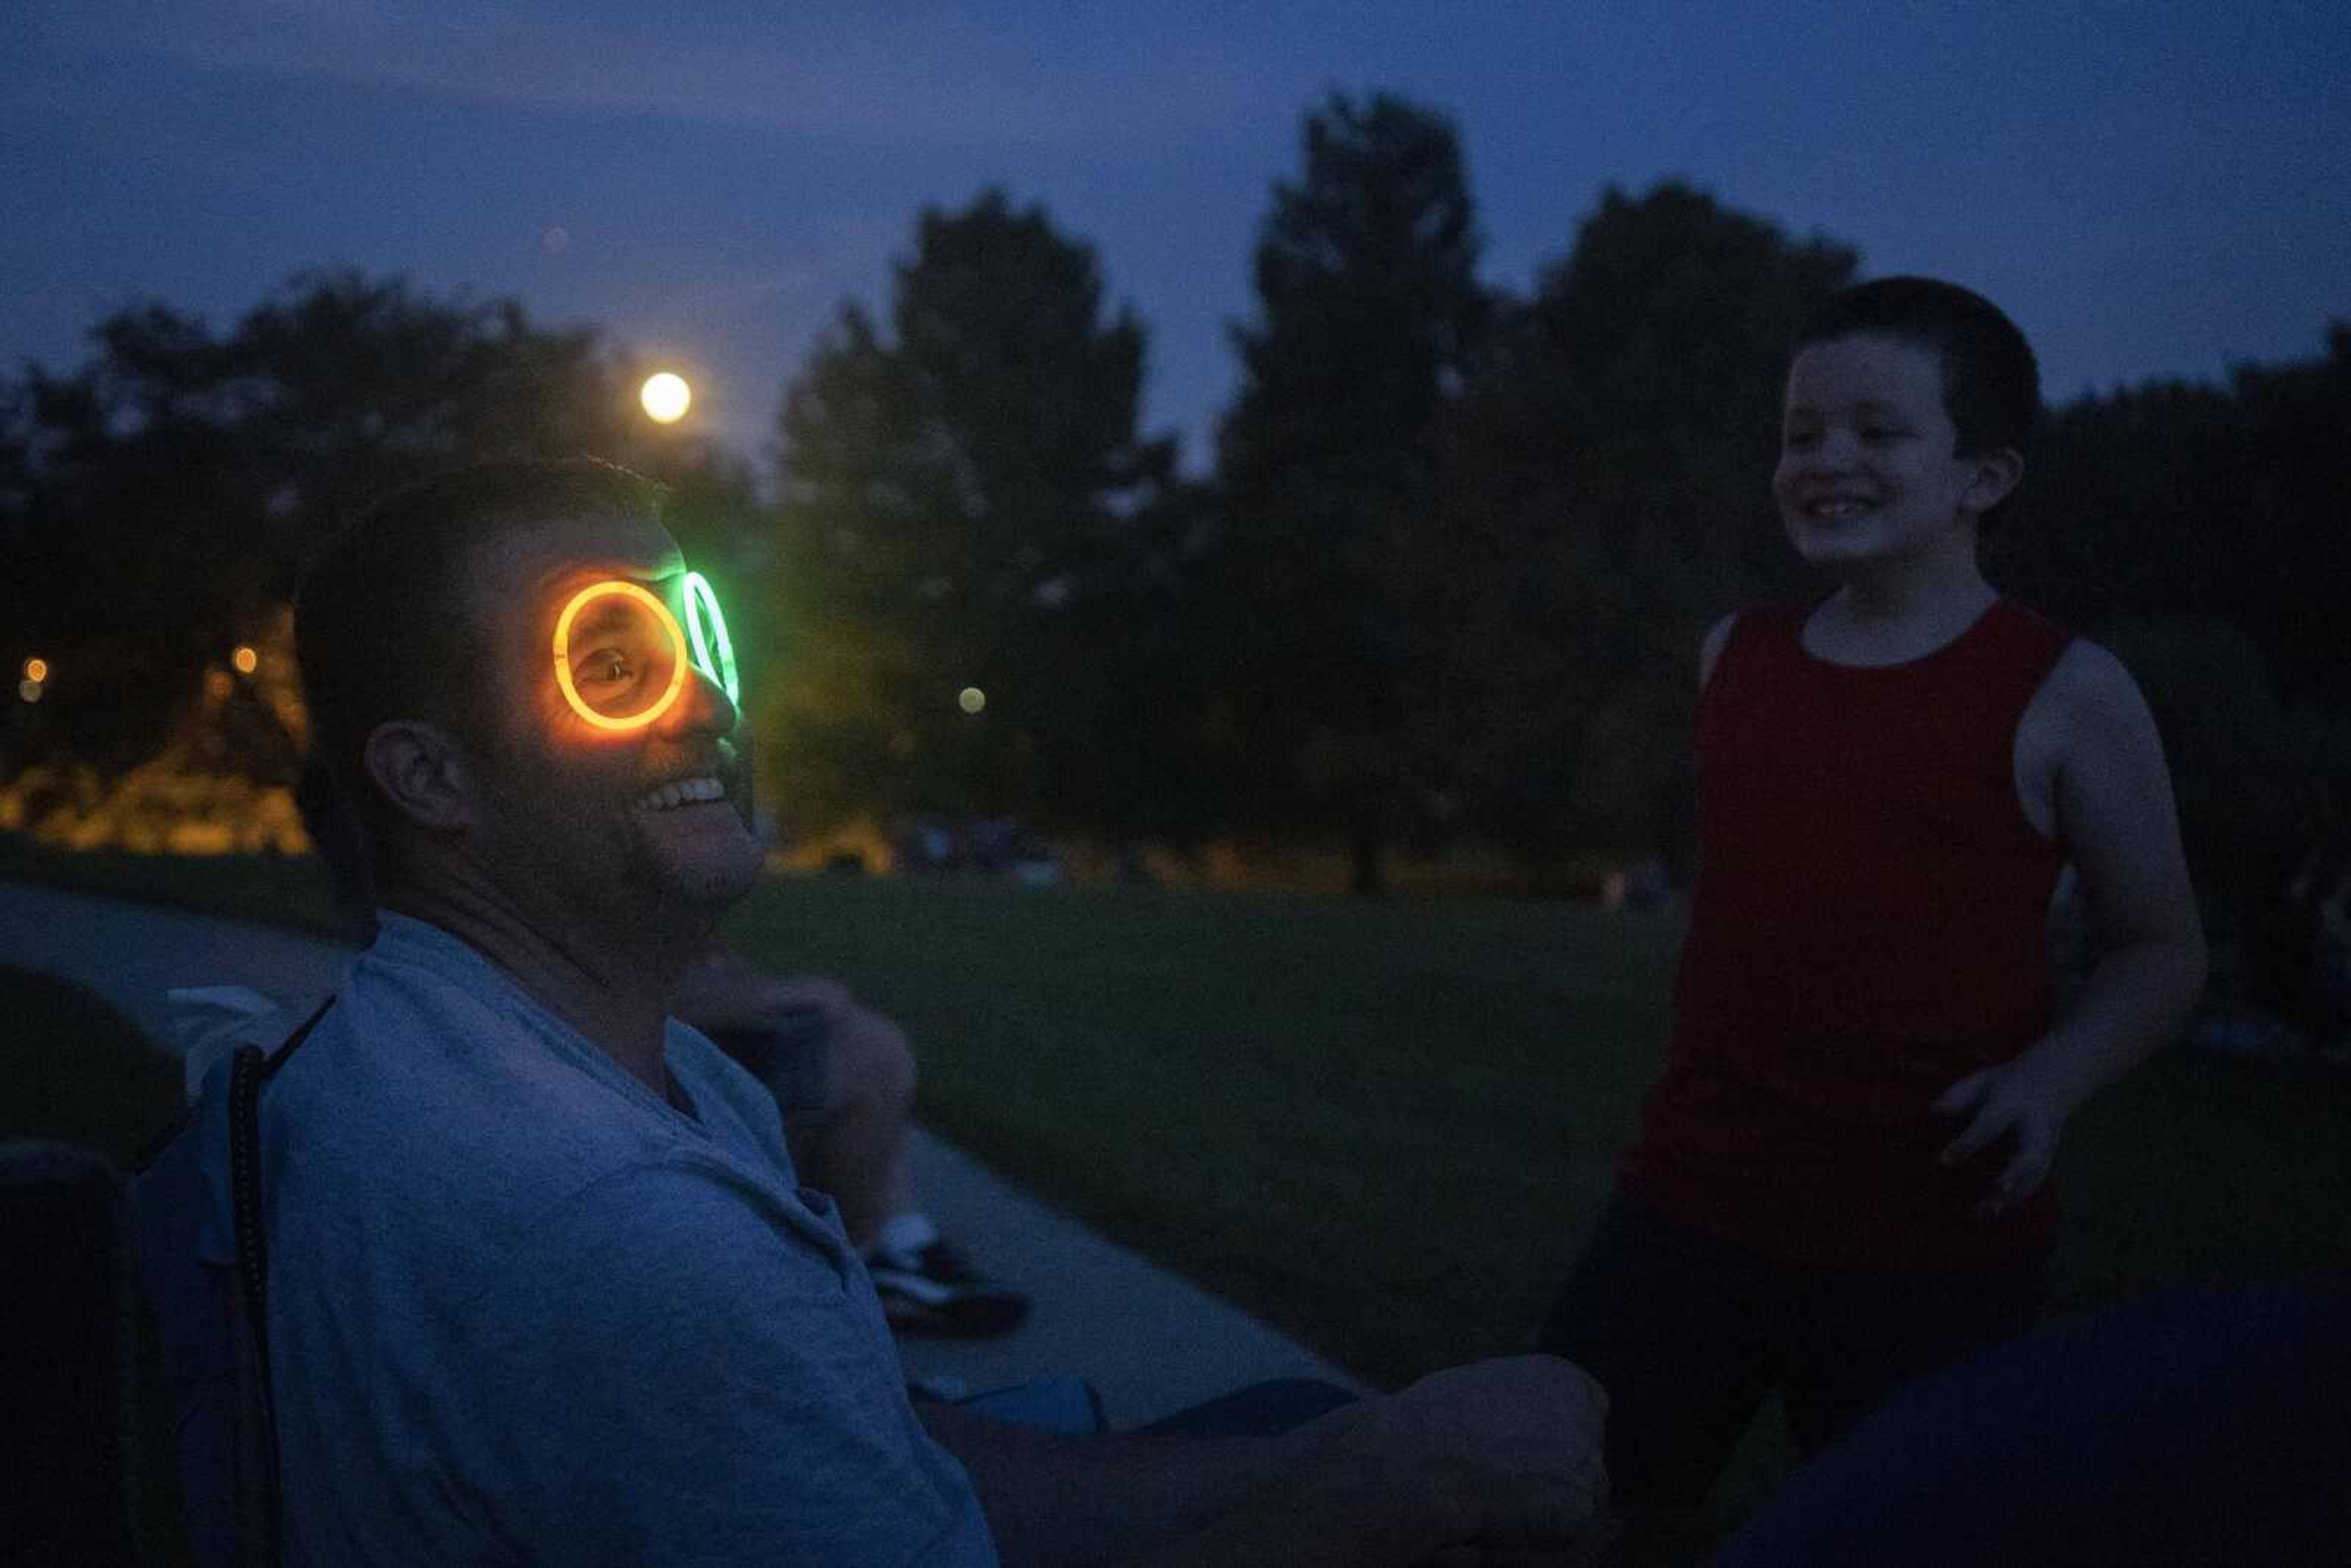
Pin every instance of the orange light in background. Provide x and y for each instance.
(36, 670)
(246, 660)
(218, 683)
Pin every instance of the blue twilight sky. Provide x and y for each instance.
(2150, 189)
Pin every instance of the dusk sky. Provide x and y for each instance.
(2151, 190)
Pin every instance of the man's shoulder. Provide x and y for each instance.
(419, 1094)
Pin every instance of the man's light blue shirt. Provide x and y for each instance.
(523, 1309)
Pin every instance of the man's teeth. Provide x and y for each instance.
(686, 793)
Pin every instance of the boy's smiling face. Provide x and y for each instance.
(1868, 473)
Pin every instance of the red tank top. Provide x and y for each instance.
(1866, 929)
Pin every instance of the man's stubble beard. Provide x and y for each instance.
(690, 888)
(649, 885)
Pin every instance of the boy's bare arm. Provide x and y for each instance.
(2114, 812)
(1504, 1453)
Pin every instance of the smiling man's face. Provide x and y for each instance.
(625, 824)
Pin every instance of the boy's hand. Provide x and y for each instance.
(2014, 1100)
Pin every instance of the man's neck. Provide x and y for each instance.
(614, 988)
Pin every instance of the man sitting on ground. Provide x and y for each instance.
(543, 1284)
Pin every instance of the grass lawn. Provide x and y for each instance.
(1382, 1125)
(278, 889)
(1376, 1125)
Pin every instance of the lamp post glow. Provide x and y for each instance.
(665, 397)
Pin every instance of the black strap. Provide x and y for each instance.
(250, 1068)
(278, 1058)
(249, 1071)
(246, 1073)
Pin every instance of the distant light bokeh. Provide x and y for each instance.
(971, 699)
(36, 669)
(666, 397)
(246, 660)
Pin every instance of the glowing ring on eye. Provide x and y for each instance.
(716, 657)
(660, 704)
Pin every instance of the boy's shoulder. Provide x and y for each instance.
(2089, 722)
(2089, 683)
(1709, 649)
(1758, 615)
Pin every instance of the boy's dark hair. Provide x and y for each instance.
(1991, 384)
(376, 630)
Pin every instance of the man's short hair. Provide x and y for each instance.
(376, 631)
(1991, 384)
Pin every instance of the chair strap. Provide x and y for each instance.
(250, 1068)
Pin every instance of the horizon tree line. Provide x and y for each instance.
(1445, 583)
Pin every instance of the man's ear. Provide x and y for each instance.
(1998, 474)
(423, 772)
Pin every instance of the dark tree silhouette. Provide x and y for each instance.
(1368, 310)
(1611, 496)
(957, 498)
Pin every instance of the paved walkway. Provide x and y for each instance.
(1150, 1342)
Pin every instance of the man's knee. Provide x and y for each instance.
(872, 1063)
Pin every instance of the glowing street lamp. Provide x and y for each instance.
(246, 660)
(665, 397)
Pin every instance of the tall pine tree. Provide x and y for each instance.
(1369, 308)
(954, 493)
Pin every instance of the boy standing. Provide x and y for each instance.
(1839, 1183)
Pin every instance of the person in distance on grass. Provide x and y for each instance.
(842, 1074)
(543, 1283)
(1841, 1180)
